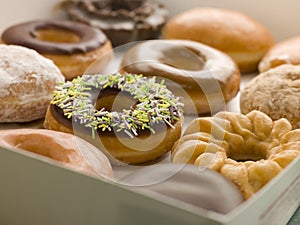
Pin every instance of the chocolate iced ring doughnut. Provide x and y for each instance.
(135, 118)
(123, 21)
(72, 46)
(204, 76)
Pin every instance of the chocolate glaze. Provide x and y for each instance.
(24, 34)
(123, 21)
(198, 186)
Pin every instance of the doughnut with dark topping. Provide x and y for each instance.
(72, 46)
(123, 21)
(137, 119)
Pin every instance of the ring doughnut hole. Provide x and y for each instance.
(56, 35)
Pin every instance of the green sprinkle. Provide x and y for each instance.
(155, 103)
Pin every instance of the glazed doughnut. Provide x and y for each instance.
(72, 46)
(198, 186)
(248, 149)
(207, 76)
(275, 92)
(27, 82)
(58, 147)
(137, 119)
(123, 21)
(284, 52)
(241, 37)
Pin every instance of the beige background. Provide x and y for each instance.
(278, 16)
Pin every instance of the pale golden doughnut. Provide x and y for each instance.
(247, 149)
(283, 52)
(240, 36)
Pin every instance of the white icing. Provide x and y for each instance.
(27, 80)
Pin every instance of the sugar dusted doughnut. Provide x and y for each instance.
(27, 83)
(238, 35)
(284, 52)
(132, 118)
(58, 147)
(247, 149)
(275, 92)
(194, 185)
(208, 77)
(72, 46)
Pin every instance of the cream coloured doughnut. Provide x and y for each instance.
(72, 46)
(27, 83)
(243, 38)
(57, 147)
(209, 77)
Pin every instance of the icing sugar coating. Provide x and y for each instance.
(27, 81)
(25, 34)
(122, 21)
(154, 103)
(198, 186)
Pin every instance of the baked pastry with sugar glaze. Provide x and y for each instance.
(27, 83)
(58, 147)
(275, 92)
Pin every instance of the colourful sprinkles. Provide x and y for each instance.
(155, 103)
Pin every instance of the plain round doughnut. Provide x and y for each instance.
(194, 185)
(249, 150)
(58, 147)
(72, 46)
(209, 77)
(132, 118)
(275, 92)
(27, 81)
(283, 52)
(241, 37)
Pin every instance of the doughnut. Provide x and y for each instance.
(194, 185)
(248, 149)
(208, 77)
(133, 119)
(58, 148)
(284, 52)
(275, 92)
(238, 35)
(123, 21)
(27, 82)
(72, 46)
